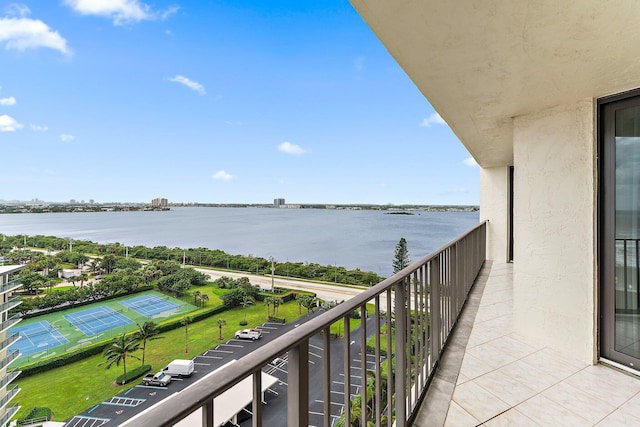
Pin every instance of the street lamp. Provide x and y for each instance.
(273, 270)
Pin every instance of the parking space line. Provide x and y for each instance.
(222, 351)
(203, 364)
(316, 347)
(211, 357)
(316, 355)
(232, 345)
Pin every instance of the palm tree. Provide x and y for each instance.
(221, 323)
(268, 301)
(83, 277)
(147, 331)
(247, 300)
(204, 298)
(118, 351)
(185, 321)
(196, 295)
(277, 302)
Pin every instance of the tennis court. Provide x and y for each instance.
(37, 337)
(58, 332)
(150, 305)
(98, 319)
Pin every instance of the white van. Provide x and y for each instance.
(179, 367)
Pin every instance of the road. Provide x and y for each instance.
(324, 292)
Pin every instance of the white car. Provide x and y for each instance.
(249, 334)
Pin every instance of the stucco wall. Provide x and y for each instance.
(554, 228)
(494, 207)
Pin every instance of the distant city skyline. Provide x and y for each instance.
(216, 103)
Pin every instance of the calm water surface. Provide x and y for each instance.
(350, 238)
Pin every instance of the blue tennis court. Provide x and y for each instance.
(96, 320)
(37, 337)
(149, 305)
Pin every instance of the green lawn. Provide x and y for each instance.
(72, 389)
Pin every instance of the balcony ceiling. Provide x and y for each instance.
(481, 63)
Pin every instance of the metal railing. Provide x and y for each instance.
(419, 305)
(10, 286)
(12, 320)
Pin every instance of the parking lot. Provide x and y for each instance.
(137, 399)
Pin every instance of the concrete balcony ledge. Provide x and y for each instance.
(490, 376)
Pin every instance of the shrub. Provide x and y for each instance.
(37, 412)
(133, 374)
(276, 319)
(243, 323)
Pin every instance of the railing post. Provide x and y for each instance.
(207, 414)
(298, 389)
(326, 379)
(401, 350)
(256, 407)
(435, 307)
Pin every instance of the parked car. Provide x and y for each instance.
(160, 379)
(179, 368)
(249, 334)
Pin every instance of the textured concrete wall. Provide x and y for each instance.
(555, 228)
(494, 206)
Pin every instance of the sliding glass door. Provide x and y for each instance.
(620, 232)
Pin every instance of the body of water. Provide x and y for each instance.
(361, 239)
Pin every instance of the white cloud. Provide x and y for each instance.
(470, 161)
(25, 33)
(17, 9)
(8, 101)
(433, 119)
(38, 128)
(65, 137)
(9, 124)
(222, 175)
(289, 148)
(165, 14)
(188, 83)
(120, 11)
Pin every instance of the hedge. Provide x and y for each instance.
(133, 374)
(36, 413)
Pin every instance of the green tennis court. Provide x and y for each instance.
(91, 323)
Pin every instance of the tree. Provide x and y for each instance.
(401, 258)
(147, 332)
(185, 321)
(196, 296)
(203, 299)
(277, 302)
(221, 323)
(268, 301)
(83, 277)
(247, 300)
(118, 351)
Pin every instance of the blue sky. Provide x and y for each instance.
(215, 101)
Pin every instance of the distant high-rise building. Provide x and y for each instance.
(159, 202)
(278, 202)
(91, 201)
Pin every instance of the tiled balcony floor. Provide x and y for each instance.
(504, 381)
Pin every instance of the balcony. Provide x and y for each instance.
(457, 361)
(491, 376)
(10, 286)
